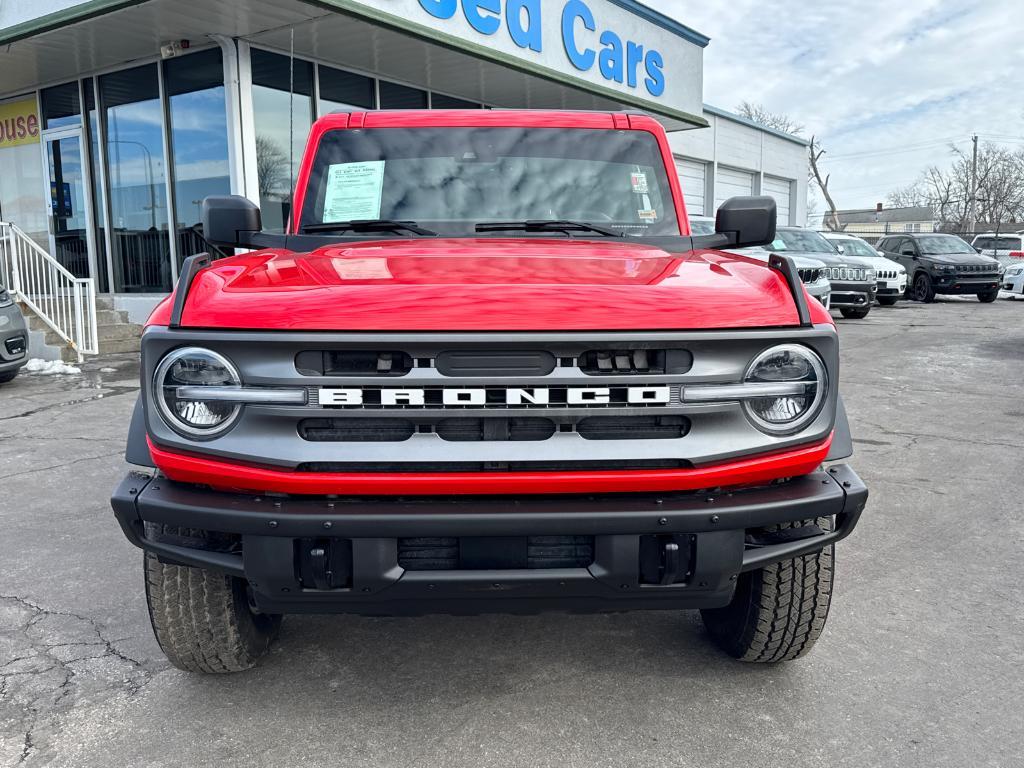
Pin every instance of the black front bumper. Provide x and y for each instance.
(852, 295)
(720, 535)
(956, 286)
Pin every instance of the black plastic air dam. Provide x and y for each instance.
(269, 527)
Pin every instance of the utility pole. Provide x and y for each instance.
(974, 184)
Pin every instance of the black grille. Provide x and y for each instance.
(633, 427)
(618, 362)
(356, 430)
(809, 275)
(468, 430)
(449, 553)
(353, 363)
(490, 466)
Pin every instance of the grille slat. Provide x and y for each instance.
(529, 552)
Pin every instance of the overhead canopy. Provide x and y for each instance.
(578, 54)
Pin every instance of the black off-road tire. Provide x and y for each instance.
(778, 612)
(924, 290)
(854, 313)
(988, 297)
(8, 375)
(202, 619)
(887, 301)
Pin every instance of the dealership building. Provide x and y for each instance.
(117, 117)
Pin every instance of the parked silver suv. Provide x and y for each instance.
(13, 338)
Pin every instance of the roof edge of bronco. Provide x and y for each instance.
(487, 368)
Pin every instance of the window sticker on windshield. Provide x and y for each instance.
(353, 191)
(638, 179)
(648, 214)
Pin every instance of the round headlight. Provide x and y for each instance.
(178, 377)
(787, 364)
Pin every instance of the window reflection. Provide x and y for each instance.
(93, 127)
(60, 105)
(344, 91)
(279, 141)
(138, 200)
(194, 86)
(395, 96)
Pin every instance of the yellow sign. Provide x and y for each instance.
(19, 123)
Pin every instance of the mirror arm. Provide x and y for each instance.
(715, 241)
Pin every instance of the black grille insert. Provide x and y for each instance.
(619, 362)
(509, 363)
(633, 427)
(470, 430)
(356, 430)
(449, 553)
(353, 363)
(16, 345)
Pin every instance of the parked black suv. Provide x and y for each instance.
(854, 285)
(938, 263)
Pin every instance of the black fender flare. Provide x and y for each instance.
(137, 449)
(842, 440)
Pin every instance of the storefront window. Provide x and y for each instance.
(136, 178)
(22, 201)
(279, 140)
(61, 106)
(199, 140)
(395, 96)
(343, 91)
(440, 101)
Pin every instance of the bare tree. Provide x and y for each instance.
(910, 196)
(815, 153)
(760, 115)
(271, 167)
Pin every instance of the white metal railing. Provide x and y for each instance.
(67, 304)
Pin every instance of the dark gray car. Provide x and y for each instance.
(13, 338)
(938, 263)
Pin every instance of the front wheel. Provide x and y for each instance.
(923, 288)
(202, 619)
(778, 612)
(887, 301)
(8, 375)
(988, 297)
(852, 313)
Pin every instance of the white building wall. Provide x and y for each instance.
(732, 144)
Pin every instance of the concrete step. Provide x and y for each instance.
(104, 302)
(120, 345)
(105, 333)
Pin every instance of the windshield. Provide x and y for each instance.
(451, 179)
(801, 241)
(999, 244)
(856, 248)
(944, 244)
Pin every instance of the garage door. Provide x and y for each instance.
(730, 183)
(692, 177)
(782, 191)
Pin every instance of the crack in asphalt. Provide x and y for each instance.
(915, 437)
(20, 679)
(106, 394)
(60, 466)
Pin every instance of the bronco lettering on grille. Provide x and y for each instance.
(494, 396)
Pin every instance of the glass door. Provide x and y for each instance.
(70, 220)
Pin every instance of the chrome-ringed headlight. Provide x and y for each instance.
(194, 367)
(787, 364)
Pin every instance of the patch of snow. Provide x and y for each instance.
(108, 370)
(49, 367)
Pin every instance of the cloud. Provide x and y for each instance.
(870, 78)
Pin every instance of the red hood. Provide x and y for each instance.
(487, 284)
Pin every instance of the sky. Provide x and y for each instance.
(885, 85)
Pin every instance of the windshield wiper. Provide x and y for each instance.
(369, 225)
(545, 225)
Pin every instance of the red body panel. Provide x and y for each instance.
(225, 475)
(487, 284)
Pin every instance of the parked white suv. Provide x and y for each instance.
(1006, 248)
(891, 276)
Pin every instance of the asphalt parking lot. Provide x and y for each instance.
(922, 662)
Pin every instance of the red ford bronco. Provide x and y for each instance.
(487, 368)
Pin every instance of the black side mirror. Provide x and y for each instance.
(230, 220)
(747, 221)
